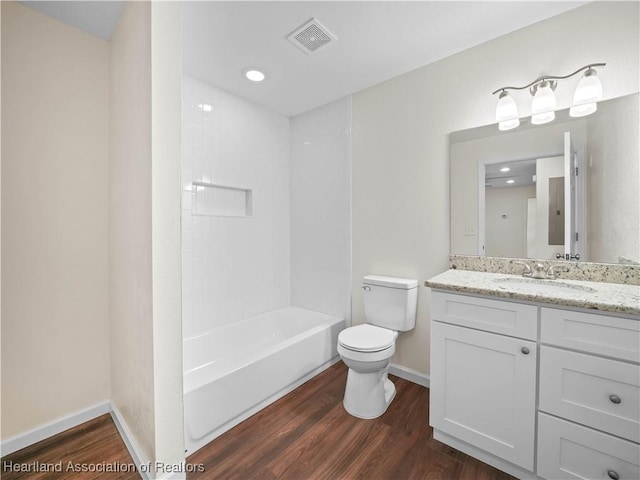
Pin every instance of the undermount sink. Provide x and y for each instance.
(535, 285)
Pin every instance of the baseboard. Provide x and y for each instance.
(410, 375)
(47, 430)
(144, 466)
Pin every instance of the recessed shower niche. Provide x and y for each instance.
(221, 200)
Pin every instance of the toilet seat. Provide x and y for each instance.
(367, 338)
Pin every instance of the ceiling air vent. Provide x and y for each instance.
(311, 36)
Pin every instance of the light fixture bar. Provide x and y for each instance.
(549, 77)
(543, 107)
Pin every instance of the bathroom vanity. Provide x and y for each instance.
(525, 378)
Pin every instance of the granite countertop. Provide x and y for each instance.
(606, 297)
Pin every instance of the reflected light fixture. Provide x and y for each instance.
(505, 169)
(543, 106)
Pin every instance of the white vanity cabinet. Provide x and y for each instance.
(589, 399)
(483, 374)
(538, 392)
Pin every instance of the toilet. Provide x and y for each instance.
(389, 307)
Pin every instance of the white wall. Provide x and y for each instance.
(144, 234)
(55, 114)
(506, 220)
(614, 189)
(166, 154)
(400, 139)
(130, 241)
(234, 267)
(321, 209)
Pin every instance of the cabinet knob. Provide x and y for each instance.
(525, 350)
(613, 475)
(615, 399)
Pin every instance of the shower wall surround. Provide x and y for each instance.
(266, 209)
(321, 209)
(233, 266)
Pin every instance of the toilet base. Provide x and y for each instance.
(368, 395)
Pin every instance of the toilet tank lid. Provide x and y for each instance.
(393, 282)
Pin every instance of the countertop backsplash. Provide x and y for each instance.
(564, 269)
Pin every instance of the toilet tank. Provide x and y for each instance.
(390, 302)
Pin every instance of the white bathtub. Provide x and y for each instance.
(234, 371)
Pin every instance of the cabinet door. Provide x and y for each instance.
(483, 390)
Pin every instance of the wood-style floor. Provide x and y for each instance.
(309, 435)
(96, 442)
(305, 435)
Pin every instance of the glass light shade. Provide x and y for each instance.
(506, 108)
(583, 110)
(508, 124)
(544, 104)
(589, 89)
(540, 118)
(506, 112)
(588, 92)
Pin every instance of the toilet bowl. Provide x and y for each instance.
(367, 351)
(390, 306)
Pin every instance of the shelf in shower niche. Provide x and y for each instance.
(222, 200)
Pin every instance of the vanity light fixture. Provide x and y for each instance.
(588, 92)
(507, 112)
(543, 106)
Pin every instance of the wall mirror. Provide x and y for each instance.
(541, 191)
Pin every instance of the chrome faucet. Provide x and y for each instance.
(527, 269)
(538, 271)
(551, 275)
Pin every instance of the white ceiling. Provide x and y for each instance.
(377, 40)
(96, 18)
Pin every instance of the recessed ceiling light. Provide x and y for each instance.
(505, 169)
(511, 180)
(253, 74)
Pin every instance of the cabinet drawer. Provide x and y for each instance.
(507, 318)
(601, 334)
(594, 391)
(567, 451)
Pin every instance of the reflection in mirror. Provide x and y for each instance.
(546, 209)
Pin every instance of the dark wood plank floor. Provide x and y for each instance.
(305, 435)
(94, 443)
(308, 435)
